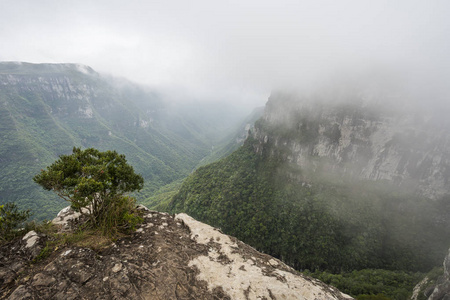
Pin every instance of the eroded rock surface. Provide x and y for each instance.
(442, 290)
(67, 218)
(244, 273)
(166, 258)
(17, 255)
(359, 138)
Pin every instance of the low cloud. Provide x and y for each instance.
(232, 50)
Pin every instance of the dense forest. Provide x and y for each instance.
(326, 224)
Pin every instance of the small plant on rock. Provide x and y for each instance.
(10, 219)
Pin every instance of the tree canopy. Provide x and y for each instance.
(91, 179)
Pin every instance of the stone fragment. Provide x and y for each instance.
(21, 293)
(31, 238)
(273, 262)
(66, 217)
(117, 268)
(41, 279)
(80, 273)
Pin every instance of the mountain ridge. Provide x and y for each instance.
(47, 109)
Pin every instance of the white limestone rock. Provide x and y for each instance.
(240, 278)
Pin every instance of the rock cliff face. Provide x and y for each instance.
(168, 257)
(442, 289)
(360, 138)
(433, 287)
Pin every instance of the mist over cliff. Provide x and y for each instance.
(352, 175)
(382, 129)
(47, 109)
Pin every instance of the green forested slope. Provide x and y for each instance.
(231, 142)
(235, 139)
(47, 109)
(326, 224)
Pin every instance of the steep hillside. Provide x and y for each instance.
(229, 143)
(332, 185)
(235, 139)
(46, 109)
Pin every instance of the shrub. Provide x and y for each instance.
(10, 219)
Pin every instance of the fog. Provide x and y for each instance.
(236, 51)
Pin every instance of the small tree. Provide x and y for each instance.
(10, 219)
(96, 181)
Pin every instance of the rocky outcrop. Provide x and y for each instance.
(359, 138)
(15, 258)
(67, 219)
(168, 257)
(442, 289)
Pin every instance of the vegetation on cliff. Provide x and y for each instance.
(326, 224)
(95, 184)
(10, 219)
(323, 225)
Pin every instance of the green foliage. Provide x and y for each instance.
(10, 219)
(49, 108)
(372, 283)
(162, 197)
(375, 297)
(96, 181)
(239, 196)
(320, 224)
(120, 215)
(45, 252)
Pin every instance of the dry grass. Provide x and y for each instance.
(85, 238)
(91, 239)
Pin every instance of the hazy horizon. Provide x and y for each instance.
(237, 51)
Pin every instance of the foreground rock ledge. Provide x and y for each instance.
(244, 273)
(166, 258)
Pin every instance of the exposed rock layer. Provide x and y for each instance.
(166, 258)
(442, 289)
(359, 138)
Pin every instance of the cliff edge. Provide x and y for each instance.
(167, 257)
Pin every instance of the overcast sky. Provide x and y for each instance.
(237, 50)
